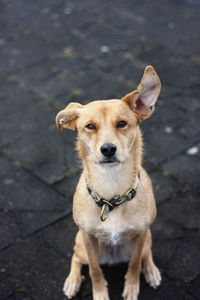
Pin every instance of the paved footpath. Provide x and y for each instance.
(53, 52)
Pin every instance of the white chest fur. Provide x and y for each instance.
(115, 246)
(111, 237)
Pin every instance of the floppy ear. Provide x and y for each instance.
(67, 117)
(142, 101)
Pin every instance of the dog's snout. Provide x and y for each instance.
(108, 149)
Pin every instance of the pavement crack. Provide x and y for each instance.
(12, 160)
(32, 233)
(60, 218)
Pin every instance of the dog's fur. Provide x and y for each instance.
(125, 234)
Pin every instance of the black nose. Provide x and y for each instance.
(108, 149)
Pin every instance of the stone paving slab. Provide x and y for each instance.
(19, 296)
(168, 290)
(183, 210)
(40, 267)
(9, 225)
(69, 84)
(185, 167)
(53, 162)
(163, 250)
(8, 88)
(193, 288)
(61, 236)
(67, 186)
(23, 52)
(26, 107)
(174, 118)
(71, 79)
(164, 186)
(186, 267)
(8, 284)
(164, 228)
(161, 146)
(26, 204)
(32, 194)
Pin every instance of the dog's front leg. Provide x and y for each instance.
(99, 284)
(132, 278)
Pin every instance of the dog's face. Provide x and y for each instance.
(107, 129)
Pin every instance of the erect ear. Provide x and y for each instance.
(142, 101)
(67, 117)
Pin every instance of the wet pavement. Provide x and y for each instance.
(53, 52)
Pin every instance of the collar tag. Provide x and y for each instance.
(104, 212)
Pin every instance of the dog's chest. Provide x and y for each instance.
(115, 245)
(118, 229)
(115, 232)
(112, 237)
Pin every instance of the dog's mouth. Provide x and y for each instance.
(109, 161)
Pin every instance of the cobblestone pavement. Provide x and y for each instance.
(53, 52)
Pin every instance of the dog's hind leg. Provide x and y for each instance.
(150, 271)
(73, 282)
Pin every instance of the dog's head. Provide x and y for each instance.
(107, 129)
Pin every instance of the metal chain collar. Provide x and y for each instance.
(108, 206)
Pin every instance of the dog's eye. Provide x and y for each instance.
(90, 126)
(121, 124)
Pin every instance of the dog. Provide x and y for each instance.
(113, 204)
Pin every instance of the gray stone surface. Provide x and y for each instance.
(8, 284)
(183, 210)
(53, 52)
(168, 290)
(61, 236)
(185, 167)
(18, 295)
(163, 250)
(22, 191)
(67, 186)
(193, 289)
(186, 259)
(160, 146)
(8, 225)
(163, 227)
(23, 52)
(164, 186)
(19, 104)
(39, 269)
(53, 160)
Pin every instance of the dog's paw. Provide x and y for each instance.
(152, 276)
(131, 291)
(72, 285)
(101, 295)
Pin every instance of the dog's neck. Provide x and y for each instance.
(115, 180)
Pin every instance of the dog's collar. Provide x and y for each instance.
(106, 205)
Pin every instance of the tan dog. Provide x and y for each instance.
(114, 204)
